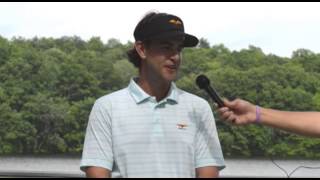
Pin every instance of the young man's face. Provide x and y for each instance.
(163, 58)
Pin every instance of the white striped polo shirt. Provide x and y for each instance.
(133, 135)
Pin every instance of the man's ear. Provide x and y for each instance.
(141, 49)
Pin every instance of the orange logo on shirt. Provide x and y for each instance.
(182, 126)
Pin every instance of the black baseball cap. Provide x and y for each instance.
(163, 26)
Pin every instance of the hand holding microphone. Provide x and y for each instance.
(238, 111)
(204, 83)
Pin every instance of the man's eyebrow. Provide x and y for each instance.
(165, 43)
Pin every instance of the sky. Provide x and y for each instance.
(276, 28)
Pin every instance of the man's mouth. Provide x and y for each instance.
(171, 67)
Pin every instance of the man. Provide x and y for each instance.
(241, 112)
(152, 128)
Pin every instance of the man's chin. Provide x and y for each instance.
(171, 77)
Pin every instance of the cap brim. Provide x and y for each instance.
(189, 40)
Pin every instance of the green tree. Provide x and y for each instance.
(203, 43)
(48, 116)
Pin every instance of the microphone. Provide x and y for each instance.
(204, 83)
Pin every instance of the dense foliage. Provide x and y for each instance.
(48, 86)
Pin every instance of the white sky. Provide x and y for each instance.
(277, 28)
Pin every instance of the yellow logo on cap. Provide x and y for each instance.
(176, 22)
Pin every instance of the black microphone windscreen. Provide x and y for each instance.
(202, 81)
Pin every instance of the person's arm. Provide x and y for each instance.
(97, 155)
(97, 172)
(241, 112)
(304, 123)
(208, 153)
(207, 172)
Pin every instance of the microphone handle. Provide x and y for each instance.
(213, 94)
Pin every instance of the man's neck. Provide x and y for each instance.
(158, 89)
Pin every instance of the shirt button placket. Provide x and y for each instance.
(156, 120)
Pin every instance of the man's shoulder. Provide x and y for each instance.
(191, 98)
(114, 96)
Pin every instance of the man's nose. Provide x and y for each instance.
(175, 56)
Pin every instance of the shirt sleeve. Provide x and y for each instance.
(97, 149)
(208, 148)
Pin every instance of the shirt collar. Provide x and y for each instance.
(139, 95)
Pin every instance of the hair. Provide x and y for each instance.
(133, 55)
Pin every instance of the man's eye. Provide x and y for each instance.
(166, 47)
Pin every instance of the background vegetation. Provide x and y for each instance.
(48, 86)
